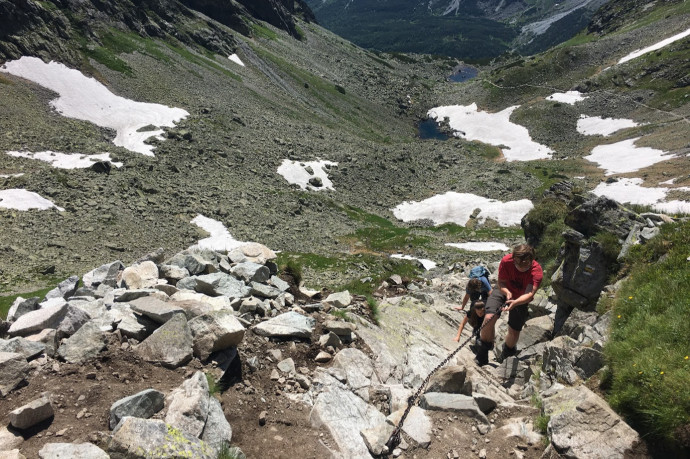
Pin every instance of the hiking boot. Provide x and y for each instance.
(506, 352)
(483, 352)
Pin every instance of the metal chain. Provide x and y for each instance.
(394, 439)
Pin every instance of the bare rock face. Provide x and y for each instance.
(583, 425)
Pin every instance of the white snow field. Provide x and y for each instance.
(595, 125)
(480, 246)
(622, 157)
(654, 47)
(24, 200)
(219, 240)
(456, 208)
(428, 264)
(64, 160)
(568, 97)
(86, 99)
(492, 128)
(630, 190)
(296, 173)
(236, 59)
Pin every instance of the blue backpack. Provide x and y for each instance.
(479, 271)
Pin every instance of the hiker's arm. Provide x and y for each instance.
(504, 289)
(525, 298)
(464, 302)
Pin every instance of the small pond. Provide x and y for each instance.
(429, 129)
(463, 73)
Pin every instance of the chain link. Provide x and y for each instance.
(394, 439)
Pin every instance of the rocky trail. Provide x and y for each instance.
(204, 350)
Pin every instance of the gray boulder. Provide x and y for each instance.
(448, 379)
(84, 345)
(13, 371)
(188, 405)
(602, 214)
(141, 405)
(106, 274)
(155, 309)
(251, 272)
(417, 425)
(170, 345)
(565, 359)
(29, 349)
(583, 425)
(455, 403)
(32, 413)
(193, 263)
(72, 451)
(251, 252)
(345, 415)
(217, 431)
(136, 438)
(288, 325)
(582, 274)
(65, 289)
(21, 306)
(220, 284)
(215, 331)
(142, 275)
(9, 440)
(338, 300)
(65, 319)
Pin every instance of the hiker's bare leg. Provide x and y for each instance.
(487, 333)
(512, 337)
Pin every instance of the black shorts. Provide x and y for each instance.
(516, 317)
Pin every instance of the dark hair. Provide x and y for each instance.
(474, 285)
(524, 252)
(472, 316)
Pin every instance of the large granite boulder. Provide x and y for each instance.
(583, 425)
(136, 438)
(170, 345)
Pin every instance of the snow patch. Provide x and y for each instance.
(64, 160)
(595, 125)
(18, 199)
(492, 128)
(568, 97)
(219, 240)
(236, 59)
(297, 173)
(654, 47)
(11, 175)
(86, 99)
(480, 246)
(622, 157)
(428, 264)
(457, 208)
(630, 190)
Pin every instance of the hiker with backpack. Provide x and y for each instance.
(519, 277)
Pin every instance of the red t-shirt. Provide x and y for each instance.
(514, 280)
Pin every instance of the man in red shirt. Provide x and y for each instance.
(519, 277)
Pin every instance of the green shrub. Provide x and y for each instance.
(213, 386)
(647, 352)
(374, 308)
(541, 423)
